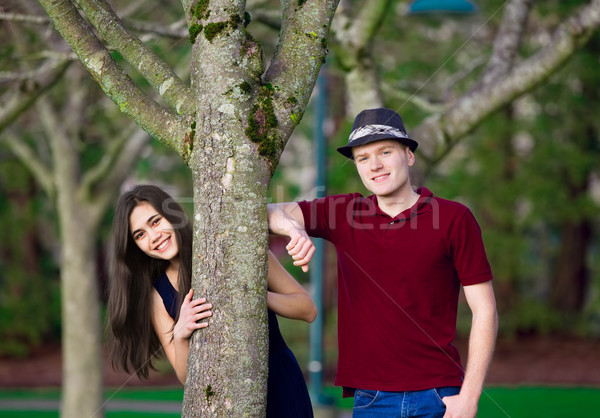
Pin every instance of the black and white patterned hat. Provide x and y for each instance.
(374, 125)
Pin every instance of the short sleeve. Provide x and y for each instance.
(468, 251)
(327, 216)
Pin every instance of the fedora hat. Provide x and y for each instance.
(374, 125)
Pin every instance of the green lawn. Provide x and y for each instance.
(514, 402)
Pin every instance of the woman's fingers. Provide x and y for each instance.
(199, 310)
(203, 311)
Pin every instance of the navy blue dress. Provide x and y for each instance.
(287, 396)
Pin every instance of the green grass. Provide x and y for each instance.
(134, 394)
(111, 414)
(496, 402)
(547, 402)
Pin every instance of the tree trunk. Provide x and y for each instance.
(362, 88)
(81, 339)
(81, 335)
(227, 367)
(572, 275)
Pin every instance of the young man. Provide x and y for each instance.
(402, 257)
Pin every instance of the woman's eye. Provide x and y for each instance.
(155, 221)
(138, 235)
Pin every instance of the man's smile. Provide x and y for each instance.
(381, 177)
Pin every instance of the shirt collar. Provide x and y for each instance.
(422, 205)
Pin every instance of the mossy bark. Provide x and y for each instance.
(227, 366)
(243, 121)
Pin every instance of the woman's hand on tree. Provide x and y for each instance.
(191, 312)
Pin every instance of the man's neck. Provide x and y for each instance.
(393, 205)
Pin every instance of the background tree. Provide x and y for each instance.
(80, 172)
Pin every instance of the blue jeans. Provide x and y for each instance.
(421, 403)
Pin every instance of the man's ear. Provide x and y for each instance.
(411, 157)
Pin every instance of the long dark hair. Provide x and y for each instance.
(133, 343)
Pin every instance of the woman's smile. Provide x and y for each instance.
(164, 244)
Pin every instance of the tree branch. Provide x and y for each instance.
(301, 51)
(269, 18)
(421, 103)
(364, 27)
(23, 18)
(21, 100)
(467, 112)
(107, 164)
(354, 36)
(508, 40)
(160, 76)
(66, 164)
(177, 30)
(104, 188)
(46, 67)
(30, 160)
(153, 118)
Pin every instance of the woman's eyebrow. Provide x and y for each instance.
(147, 222)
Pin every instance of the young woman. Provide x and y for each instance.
(150, 306)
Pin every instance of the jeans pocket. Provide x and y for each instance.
(363, 398)
(446, 391)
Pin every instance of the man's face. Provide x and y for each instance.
(383, 167)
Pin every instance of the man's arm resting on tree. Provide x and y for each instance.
(287, 219)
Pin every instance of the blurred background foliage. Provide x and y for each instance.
(529, 173)
(29, 285)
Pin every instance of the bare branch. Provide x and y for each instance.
(150, 116)
(364, 27)
(415, 100)
(102, 189)
(354, 36)
(508, 40)
(467, 112)
(160, 76)
(177, 30)
(21, 100)
(269, 18)
(30, 160)
(107, 164)
(122, 165)
(22, 18)
(64, 154)
(300, 53)
(46, 67)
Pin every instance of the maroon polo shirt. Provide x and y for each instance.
(398, 286)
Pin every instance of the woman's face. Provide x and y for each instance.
(152, 232)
